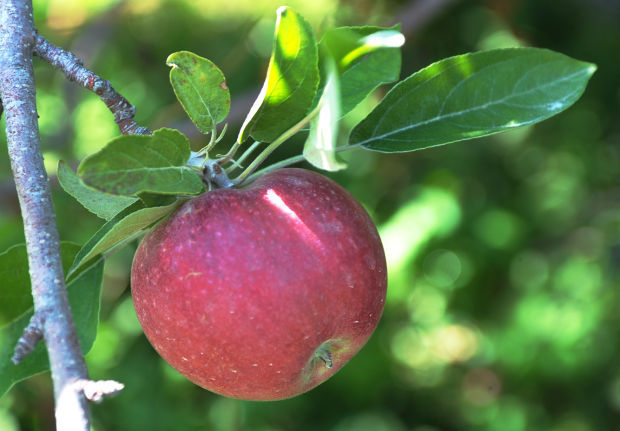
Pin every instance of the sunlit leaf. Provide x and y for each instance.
(366, 57)
(132, 164)
(292, 79)
(102, 204)
(371, 42)
(84, 296)
(473, 95)
(201, 88)
(125, 224)
(319, 148)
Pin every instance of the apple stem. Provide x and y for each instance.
(325, 356)
(213, 174)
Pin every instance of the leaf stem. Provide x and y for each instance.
(292, 160)
(211, 143)
(238, 163)
(231, 153)
(214, 138)
(275, 144)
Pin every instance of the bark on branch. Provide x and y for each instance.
(52, 319)
(74, 70)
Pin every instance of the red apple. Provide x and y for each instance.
(262, 292)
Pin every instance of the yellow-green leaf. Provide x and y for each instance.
(292, 80)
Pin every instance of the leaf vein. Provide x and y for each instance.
(464, 111)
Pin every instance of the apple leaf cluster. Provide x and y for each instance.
(136, 181)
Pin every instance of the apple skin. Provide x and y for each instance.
(253, 293)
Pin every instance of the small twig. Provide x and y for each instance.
(73, 68)
(68, 401)
(97, 390)
(29, 339)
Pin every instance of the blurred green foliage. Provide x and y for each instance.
(504, 252)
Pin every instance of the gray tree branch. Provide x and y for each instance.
(52, 320)
(74, 70)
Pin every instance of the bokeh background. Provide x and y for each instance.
(504, 252)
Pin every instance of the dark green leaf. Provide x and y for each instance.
(102, 204)
(319, 148)
(473, 95)
(132, 164)
(292, 79)
(123, 226)
(201, 88)
(15, 295)
(155, 200)
(84, 294)
(366, 57)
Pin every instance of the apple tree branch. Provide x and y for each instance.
(52, 320)
(74, 70)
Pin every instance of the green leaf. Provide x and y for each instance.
(366, 57)
(201, 88)
(15, 295)
(84, 297)
(320, 146)
(473, 95)
(123, 226)
(390, 38)
(291, 84)
(99, 203)
(132, 164)
(155, 200)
